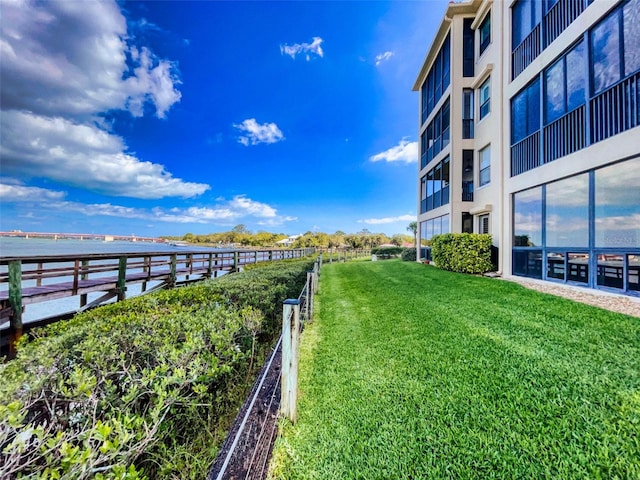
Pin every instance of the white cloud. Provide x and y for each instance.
(255, 133)
(405, 151)
(222, 213)
(23, 193)
(64, 64)
(308, 49)
(383, 57)
(85, 156)
(386, 220)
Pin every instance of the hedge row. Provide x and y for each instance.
(144, 388)
(462, 252)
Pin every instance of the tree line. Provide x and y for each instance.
(240, 236)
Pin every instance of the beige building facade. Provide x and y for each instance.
(529, 127)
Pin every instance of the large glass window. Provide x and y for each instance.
(437, 80)
(617, 205)
(467, 175)
(565, 84)
(437, 134)
(485, 165)
(485, 33)
(437, 186)
(468, 48)
(527, 218)
(567, 217)
(527, 263)
(526, 16)
(616, 51)
(485, 98)
(525, 112)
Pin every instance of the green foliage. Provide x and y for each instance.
(462, 252)
(430, 374)
(386, 252)
(141, 388)
(409, 255)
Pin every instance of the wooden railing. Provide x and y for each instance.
(29, 280)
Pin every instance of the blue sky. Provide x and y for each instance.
(162, 118)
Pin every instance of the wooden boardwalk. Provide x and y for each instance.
(29, 280)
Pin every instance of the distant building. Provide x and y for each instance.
(287, 242)
(529, 130)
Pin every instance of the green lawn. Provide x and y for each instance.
(416, 373)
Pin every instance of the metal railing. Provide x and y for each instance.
(616, 109)
(559, 17)
(565, 135)
(525, 155)
(526, 52)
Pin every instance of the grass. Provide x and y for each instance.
(410, 372)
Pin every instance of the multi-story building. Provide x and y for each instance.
(530, 130)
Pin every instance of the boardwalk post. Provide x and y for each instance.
(84, 276)
(15, 301)
(290, 334)
(174, 267)
(235, 260)
(122, 278)
(210, 267)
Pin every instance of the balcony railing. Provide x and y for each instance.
(566, 135)
(467, 191)
(526, 52)
(525, 155)
(616, 109)
(560, 17)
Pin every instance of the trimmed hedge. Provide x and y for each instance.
(462, 252)
(144, 388)
(386, 252)
(409, 255)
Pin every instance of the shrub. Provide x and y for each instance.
(462, 252)
(386, 252)
(142, 388)
(409, 255)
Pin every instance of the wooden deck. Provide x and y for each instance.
(29, 280)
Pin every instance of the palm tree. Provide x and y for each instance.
(413, 228)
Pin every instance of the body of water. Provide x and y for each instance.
(32, 247)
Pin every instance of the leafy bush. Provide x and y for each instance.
(462, 252)
(142, 388)
(409, 255)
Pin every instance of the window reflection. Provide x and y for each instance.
(527, 217)
(555, 265)
(568, 212)
(617, 205)
(611, 270)
(578, 267)
(634, 272)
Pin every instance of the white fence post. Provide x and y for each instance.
(290, 336)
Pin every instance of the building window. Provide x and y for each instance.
(485, 32)
(581, 229)
(525, 112)
(617, 205)
(468, 48)
(485, 98)
(467, 175)
(467, 222)
(565, 85)
(483, 223)
(437, 135)
(437, 80)
(615, 46)
(526, 16)
(467, 113)
(485, 165)
(527, 218)
(435, 186)
(567, 212)
(433, 227)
